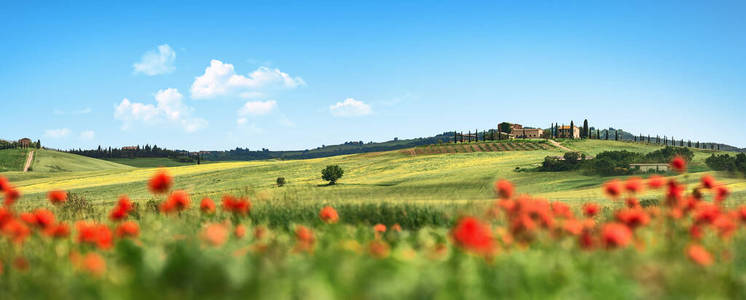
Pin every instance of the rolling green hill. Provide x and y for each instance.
(391, 177)
(149, 162)
(55, 161)
(12, 159)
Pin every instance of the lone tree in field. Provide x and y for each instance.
(332, 173)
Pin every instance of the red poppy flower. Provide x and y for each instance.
(207, 206)
(724, 225)
(699, 255)
(57, 197)
(562, 210)
(215, 234)
(632, 202)
(708, 181)
(128, 229)
(613, 188)
(329, 215)
(473, 235)
(40, 217)
(678, 164)
(176, 202)
(634, 185)
(239, 231)
(721, 192)
(122, 209)
(234, 205)
(303, 234)
(4, 183)
(11, 195)
(396, 227)
(160, 183)
(95, 234)
(590, 209)
(378, 249)
(656, 181)
(504, 189)
(60, 230)
(93, 263)
(573, 226)
(16, 231)
(706, 213)
(633, 217)
(695, 232)
(586, 240)
(615, 235)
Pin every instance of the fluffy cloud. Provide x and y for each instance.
(156, 63)
(257, 108)
(56, 133)
(87, 135)
(168, 109)
(350, 108)
(220, 79)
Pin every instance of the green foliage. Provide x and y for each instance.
(666, 154)
(505, 127)
(332, 173)
(725, 162)
(570, 161)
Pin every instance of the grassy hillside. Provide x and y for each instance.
(149, 162)
(394, 176)
(12, 159)
(54, 161)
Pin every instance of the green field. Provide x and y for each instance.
(174, 255)
(149, 162)
(396, 176)
(12, 159)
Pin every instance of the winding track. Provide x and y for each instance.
(29, 158)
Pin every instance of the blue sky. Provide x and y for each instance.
(211, 76)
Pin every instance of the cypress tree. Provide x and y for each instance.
(572, 130)
(585, 129)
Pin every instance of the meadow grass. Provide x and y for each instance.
(12, 159)
(150, 162)
(425, 194)
(392, 177)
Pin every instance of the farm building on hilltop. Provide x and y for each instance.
(25, 142)
(129, 148)
(521, 132)
(567, 132)
(647, 167)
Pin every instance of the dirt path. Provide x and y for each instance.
(553, 142)
(29, 159)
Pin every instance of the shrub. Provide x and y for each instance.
(666, 154)
(280, 181)
(725, 162)
(332, 174)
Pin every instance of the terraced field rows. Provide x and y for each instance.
(482, 147)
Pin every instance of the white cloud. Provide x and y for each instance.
(87, 135)
(220, 79)
(241, 121)
(169, 108)
(56, 133)
(350, 108)
(156, 63)
(257, 108)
